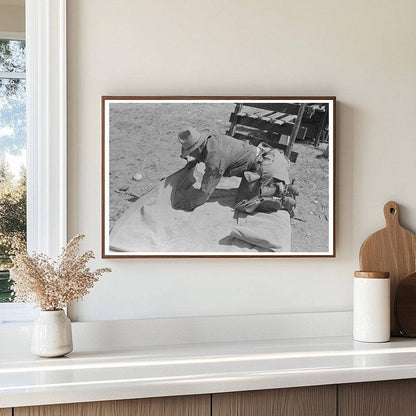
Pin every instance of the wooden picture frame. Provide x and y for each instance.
(143, 176)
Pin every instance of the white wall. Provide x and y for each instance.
(361, 51)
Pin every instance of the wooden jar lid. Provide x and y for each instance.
(372, 275)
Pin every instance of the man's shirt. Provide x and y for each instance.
(223, 156)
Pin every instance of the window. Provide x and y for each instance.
(12, 153)
(45, 85)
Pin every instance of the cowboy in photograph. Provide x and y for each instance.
(224, 155)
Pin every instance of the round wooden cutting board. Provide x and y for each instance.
(405, 306)
(393, 250)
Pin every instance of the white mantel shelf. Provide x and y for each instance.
(152, 371)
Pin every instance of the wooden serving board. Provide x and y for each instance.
(405, 306)
(393, 250)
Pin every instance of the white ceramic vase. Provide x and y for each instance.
(52, 334)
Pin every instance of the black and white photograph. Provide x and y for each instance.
(218, 176)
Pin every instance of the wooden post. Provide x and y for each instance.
(233, 124)
(321, 127)
(295, 130)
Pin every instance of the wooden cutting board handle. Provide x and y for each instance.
(393, 250)
(391, 214)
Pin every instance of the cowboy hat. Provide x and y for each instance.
(191, 139)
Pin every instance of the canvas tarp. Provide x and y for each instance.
(152, 225)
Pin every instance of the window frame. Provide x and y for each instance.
(12, 35)
(46, 126)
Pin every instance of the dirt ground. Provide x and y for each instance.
(144, 146)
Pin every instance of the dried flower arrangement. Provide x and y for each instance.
(53, 285)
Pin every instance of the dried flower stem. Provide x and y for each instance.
(53, 285)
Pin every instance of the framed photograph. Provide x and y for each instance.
(218, 177)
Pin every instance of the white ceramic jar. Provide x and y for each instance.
(371, 305)
(52, 334)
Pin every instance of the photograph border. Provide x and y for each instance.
(104, 191)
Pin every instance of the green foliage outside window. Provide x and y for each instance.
(12, 144)
(12, 223)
